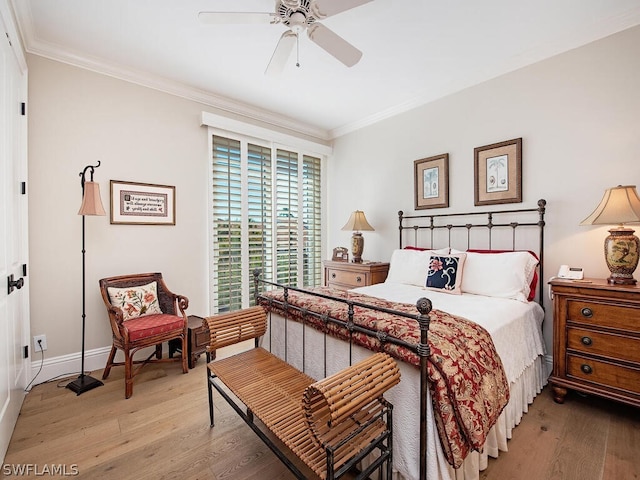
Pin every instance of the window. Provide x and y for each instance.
(266, 214)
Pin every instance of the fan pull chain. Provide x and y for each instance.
(297, 50)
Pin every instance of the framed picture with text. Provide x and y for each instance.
(498, 173)
(142, 203)
(431, 182)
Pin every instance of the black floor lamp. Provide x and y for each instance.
(91, 205)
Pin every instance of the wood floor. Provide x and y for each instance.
(162, 432)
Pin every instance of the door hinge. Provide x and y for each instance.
(23, 108)
(8, 39)
(23, 188)
(25, 351)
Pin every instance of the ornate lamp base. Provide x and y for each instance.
(357, 246)
(621, 253)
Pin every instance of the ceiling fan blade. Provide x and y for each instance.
(226, 18)
(334, 44)
(326, 8)
(282, 53)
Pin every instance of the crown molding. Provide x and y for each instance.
(228, 106)
(8, 18)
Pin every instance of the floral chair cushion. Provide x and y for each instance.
(136, 301)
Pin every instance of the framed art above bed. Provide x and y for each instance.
(498, 173)
(431, 182)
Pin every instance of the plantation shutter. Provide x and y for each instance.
(266, 214)
(312, 221)
(287, 217)
(227, 225)
(259, 185)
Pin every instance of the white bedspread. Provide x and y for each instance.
(516, 331)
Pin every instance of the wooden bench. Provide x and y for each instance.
(330, 425)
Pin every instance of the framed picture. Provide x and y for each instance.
(142, 203)
(498, 173)
(431, 177)
(340, 254)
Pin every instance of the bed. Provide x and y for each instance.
(321, 331)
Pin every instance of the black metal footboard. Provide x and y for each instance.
(423, 307)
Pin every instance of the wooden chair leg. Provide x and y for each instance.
(107, 368)
(185, 356)
(128, 374)
(159, 351)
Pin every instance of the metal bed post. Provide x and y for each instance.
(541, 210)
(424, 306)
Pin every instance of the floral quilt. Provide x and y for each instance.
(468, 385)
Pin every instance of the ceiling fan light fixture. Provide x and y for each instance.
(298, 21)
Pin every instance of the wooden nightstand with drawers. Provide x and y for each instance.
(346, 275)
(596, 341)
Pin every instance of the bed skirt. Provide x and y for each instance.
(523, 390)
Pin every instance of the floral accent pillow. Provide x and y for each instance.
(136, 301)
(445, 273)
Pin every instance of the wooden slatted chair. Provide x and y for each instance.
(143, 313)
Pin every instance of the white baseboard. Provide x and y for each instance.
(66, 365)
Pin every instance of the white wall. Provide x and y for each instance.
(77, 117)
(579, 117)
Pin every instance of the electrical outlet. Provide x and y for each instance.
(43, 343)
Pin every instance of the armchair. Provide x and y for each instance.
(143, 312)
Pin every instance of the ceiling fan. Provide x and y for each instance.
(298, 16)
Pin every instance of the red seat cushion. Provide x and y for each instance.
(149, 325)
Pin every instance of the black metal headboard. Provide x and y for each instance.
(487, 221)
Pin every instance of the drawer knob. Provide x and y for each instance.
(586, 312)
(586, 341)
(586, 368)
(358, 279)
(333, 275)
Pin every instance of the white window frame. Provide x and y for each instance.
(248, 133)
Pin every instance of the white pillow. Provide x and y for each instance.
(410, 266)
(503, 275)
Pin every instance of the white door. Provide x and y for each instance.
(14, 304)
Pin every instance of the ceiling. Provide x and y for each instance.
(414, 51)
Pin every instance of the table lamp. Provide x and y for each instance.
(357, 222)
(620, 205)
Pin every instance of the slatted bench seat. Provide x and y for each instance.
(330, 425)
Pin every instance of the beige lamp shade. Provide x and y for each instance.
(91, 201)
(357, 222)
(619, 205)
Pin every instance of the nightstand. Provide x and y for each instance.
(346, 275)
(596, 339)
